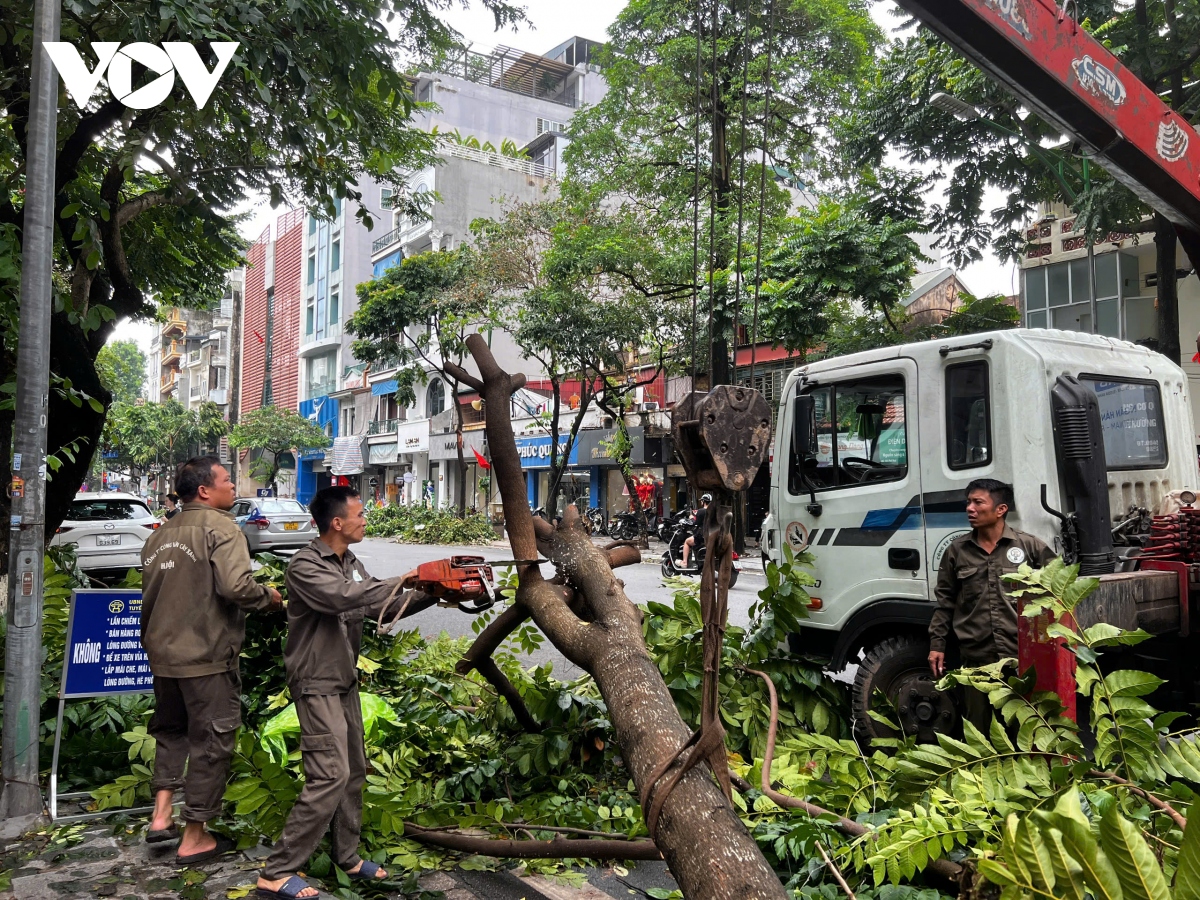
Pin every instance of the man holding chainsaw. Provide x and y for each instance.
(329, 596)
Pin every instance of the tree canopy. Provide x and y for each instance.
(274, 430)
(156, 437)
(122, 369)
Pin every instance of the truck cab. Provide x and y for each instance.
(874, 451)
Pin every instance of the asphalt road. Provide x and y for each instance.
(385, 558)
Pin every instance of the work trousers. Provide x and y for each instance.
(195, 724)
(335, 771)
(977, 709)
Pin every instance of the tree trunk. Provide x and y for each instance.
(1168, 288)
(6, 438)
(461, 493)
(72, 356)
(701, 837)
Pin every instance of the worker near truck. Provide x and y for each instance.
(197, 585)
(971, 598)
(329, 595)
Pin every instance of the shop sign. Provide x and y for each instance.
(413, 437)
(535, 452)
(593, 447)
(445, 446)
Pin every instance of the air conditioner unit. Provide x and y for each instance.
(649, 406)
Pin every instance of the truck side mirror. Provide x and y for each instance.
(804, 427)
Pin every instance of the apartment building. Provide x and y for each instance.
(503, 115)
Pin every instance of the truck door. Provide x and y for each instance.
(865, 475)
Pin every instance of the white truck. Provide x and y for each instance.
(873, 453)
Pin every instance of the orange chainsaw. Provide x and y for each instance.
(461, 579)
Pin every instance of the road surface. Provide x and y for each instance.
(384, 558)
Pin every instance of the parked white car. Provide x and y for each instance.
(108, 530)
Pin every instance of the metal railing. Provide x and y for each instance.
(322, 387)
(499, 160)
(383, 426)
(508, 69)
(387, 240)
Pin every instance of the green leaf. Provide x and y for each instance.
(1137, 869)
(1187, 875)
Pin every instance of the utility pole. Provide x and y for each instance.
(21, 794)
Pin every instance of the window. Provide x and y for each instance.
(308, 319)
(968, 417)
(107, 510)
(312, 268)
(860, 436)
(335, 262)
(435, 398)
(333, 307)
(386, 198)
(280, 506)
(312, 225)
(1131, 423)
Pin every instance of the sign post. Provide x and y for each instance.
(103, 656)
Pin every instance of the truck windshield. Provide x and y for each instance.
(861, 435)
(1131, 422)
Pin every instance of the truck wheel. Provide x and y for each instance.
(894, 680)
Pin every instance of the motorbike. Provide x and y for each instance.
(674, 553)
(668, 524)
(624, 526)
(597, 520)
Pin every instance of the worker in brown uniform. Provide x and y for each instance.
(329, 596)
(197, 585)
(971, 598)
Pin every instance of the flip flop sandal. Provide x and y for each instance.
(366, 872)
(162, 835)
(224, 845)
(289, 890)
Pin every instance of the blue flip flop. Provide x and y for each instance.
(289, 890)
(366, 872)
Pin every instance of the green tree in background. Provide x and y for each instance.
(154, 438)
(637, 147)
(122, 369)
(274, 430)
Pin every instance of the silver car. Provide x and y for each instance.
(274, 524)
(108, 530)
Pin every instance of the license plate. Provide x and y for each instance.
(108, 540)
(291, 526)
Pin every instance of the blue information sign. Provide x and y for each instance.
(104, 652)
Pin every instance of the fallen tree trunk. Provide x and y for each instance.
(709, 852)
(558, 848)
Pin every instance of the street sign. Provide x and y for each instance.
(104, 652)
(103, 657)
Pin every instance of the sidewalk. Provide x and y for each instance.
(110, 859)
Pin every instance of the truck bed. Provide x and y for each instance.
(1129, 600)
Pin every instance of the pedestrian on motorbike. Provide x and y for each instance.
(696, 540)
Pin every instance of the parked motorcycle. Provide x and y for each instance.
(674, 554)
(597, 520)
(624, 526)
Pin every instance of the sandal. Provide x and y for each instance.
(366, 872)
(224, 845)
(289, 890)
(162, 835)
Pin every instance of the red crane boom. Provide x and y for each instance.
(1073, 81)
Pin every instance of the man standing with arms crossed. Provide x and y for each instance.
(971, 598)
(197, 585)
(329, 596)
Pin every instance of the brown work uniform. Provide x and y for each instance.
(196, 586)
(328, 599)
(973, 600)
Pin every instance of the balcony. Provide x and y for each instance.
(172, 353)
(497, 160)
(174, 324)
(166, 384)
(383, 426)
(195, 391)
(386, 241)
(511, 70)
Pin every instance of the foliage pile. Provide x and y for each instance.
(422, 525)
